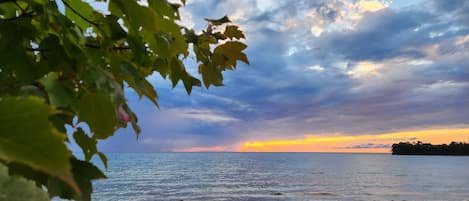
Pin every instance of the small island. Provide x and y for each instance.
(419, 148)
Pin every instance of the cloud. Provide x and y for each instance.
(328, 67)
(330, 16)
(457, 9)
(316, 68)
(202, 149)
(205, 115)
(369, 146)
(378, 36)
(365, 69)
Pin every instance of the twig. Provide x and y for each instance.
(77, 13)
(37, 49)
(18, 5)
(114, 48)
(6, 1)
(86, 45)
(23, 15)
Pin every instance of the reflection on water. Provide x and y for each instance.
(283, 176)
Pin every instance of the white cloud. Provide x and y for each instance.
(372, 5)
(316, 68)
(463, 40)
(339, 15)
(186, 19)
(317, 30)
(443, 87)
(205, 115)
(267, 5)
(236, 104)
(365, 69)
(420, 62)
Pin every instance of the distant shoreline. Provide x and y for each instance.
(419, 148)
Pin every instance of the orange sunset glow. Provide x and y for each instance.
(369, 143)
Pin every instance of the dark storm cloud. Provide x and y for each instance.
(379, 36)
(457, 8)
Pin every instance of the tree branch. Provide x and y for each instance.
(18, 5)
(23, 15)
(79, 14)
(86, 45)
(37, 49)
(24, 11)
(6, 1)
(114, 48)
(121, 48)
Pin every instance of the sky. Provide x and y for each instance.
(325, 76)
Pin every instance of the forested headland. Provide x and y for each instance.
(419, 148)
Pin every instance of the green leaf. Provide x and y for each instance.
(112, 29)
(28, 137)
(86, 143)
(176, 72)
(83, 172)
(136, 16)
(218, 36)
(164, 8)
(135, 80)
(162, 44)
(232, 51)
(31, 90)
(179, 45)
(150, 92)
(103, 159)
(14, 60)
(97, 110)
(8, 10)
(191, 37)
(134, 120)
(59, 120)
(190, 81)
(233, 31)
(202, 53)
(211, 75)
(16, 188)
(59, 94)
(220, 21)
(161, 65)
(80, 10)
(40, 178)
(56, 54)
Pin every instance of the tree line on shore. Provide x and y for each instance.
(419, 148)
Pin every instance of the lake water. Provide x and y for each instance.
(283, 176)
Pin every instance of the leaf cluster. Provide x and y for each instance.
(64, 64)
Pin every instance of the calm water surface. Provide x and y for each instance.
(283, 176)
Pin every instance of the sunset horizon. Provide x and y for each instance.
(337, 143)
